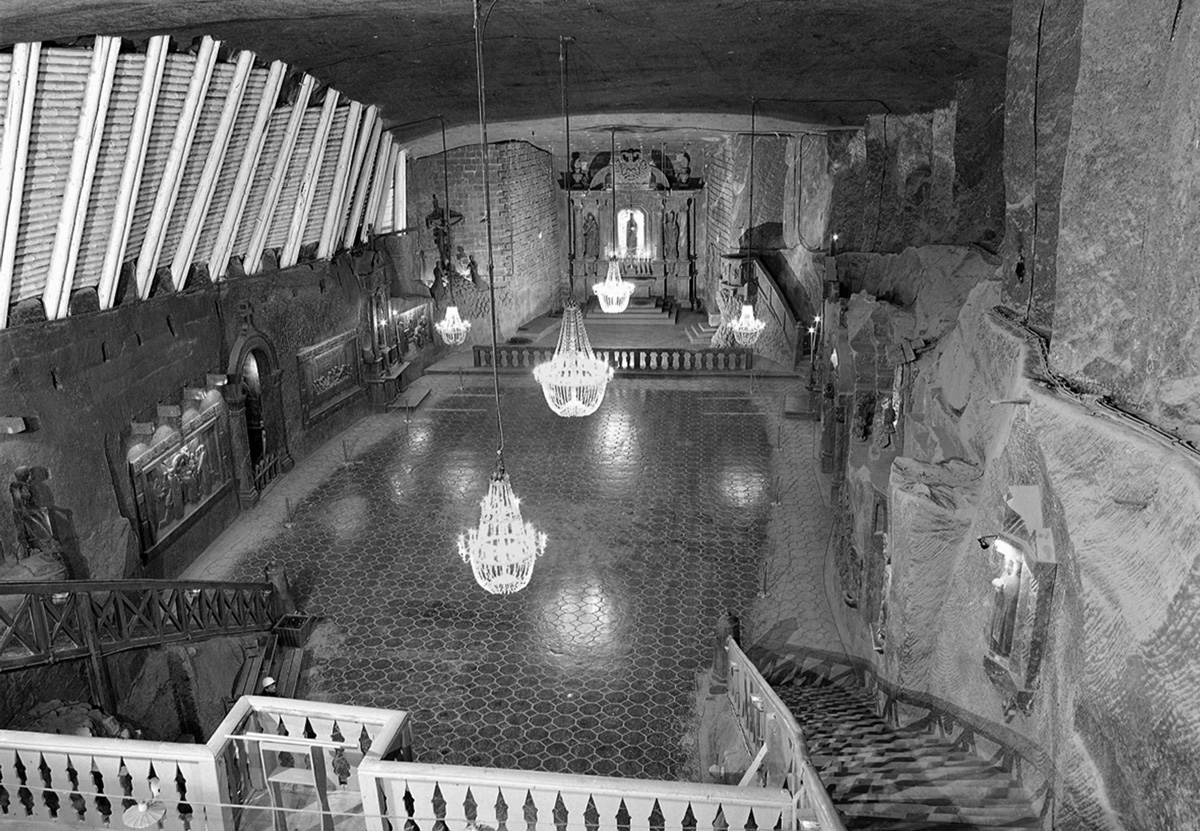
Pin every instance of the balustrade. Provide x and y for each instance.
(425, 797)
(635, 359)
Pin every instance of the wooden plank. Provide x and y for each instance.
(312, 170)
(13, 157)
(85, 150)
(258, 239)
(218, 263)
(289, 671)
(363, 188)
(341, 175)
(383, 212)
(131, 174)
(212, 168)
(361, 153)
(380, 178)
(168, 188)
(400, 193)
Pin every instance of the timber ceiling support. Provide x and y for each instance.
(341, 175)
(312, 172)
(14, 153)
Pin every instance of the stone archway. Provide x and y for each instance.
(257, 423)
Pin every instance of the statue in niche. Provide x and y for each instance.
(591, 238)
(671, 237)
(578, 171)
(864, 418)
(35, 534)
(631, 236)
(683, 174)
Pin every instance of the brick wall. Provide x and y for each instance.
(525, 230)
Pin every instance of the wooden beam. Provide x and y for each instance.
(400, 193)
(131, 173)
(363, 190)
(212, 169)
(14, 151)
(312, 172)
(341, 174)
(370, 121)
(263, 227)
(85, 150)
(388, 181)
(168, 188)
(218, 261)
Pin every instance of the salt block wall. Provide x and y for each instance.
(525, 231)
(80, 381)
(1114, 717)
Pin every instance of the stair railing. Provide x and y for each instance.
(41, 623)
(783, 754)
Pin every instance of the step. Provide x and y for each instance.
(1003, 817)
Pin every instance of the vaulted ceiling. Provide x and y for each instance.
(638, 64)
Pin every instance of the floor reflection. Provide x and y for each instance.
(656, 510)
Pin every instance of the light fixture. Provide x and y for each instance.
(148, 813)
(613, 293)
(985, 542)
(452, 328)
(747, 328)
(574, 380)
(503, 548)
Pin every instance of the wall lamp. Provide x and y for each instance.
(985, 542)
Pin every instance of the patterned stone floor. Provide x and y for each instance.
(658, 509)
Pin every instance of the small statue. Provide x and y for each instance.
(35, 534)
(631, 236)
(591, 237)
(671, 237)
(683, 173)
(864, 417)
(578, 171)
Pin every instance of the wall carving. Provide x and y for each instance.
(179, 471)
(330, 376)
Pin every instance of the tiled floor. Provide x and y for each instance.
(677, 500)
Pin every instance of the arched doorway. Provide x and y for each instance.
(252, 382)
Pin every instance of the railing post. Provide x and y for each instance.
(728, 626)
(98, 671)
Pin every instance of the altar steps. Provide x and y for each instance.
(642, 311)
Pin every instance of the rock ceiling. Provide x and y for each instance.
(642, 65)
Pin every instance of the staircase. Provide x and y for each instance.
(885, 778)
(641, 311)
(700, 334)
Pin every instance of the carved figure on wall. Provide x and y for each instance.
(578, 171)
(888, 427)
(591, 237)
(683, 173)
(35, 535)
(671, 236)
(864, 418)
(631, 235)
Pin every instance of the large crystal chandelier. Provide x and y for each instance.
(613, 293)
(453, 328)
(747, 328)
(503, 548)
(574, 380)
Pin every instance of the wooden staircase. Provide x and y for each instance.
(885, 778)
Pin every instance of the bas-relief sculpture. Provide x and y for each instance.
(35, 534)
(177, 476)
(330, 375)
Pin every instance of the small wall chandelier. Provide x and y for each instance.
(613, 293)
(574, 380)
(747, 328)
(503, 548)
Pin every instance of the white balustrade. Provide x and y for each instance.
(463, 797)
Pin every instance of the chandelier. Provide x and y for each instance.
(574, 380)
(503, 548)
(453, 328)
(747, 328)
(613, 293)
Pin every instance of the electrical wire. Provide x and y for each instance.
(487, 214)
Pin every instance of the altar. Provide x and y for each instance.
(632, 209)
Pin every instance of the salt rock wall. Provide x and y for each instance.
(929, 178)
(1127, 304)
(1113, 722)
